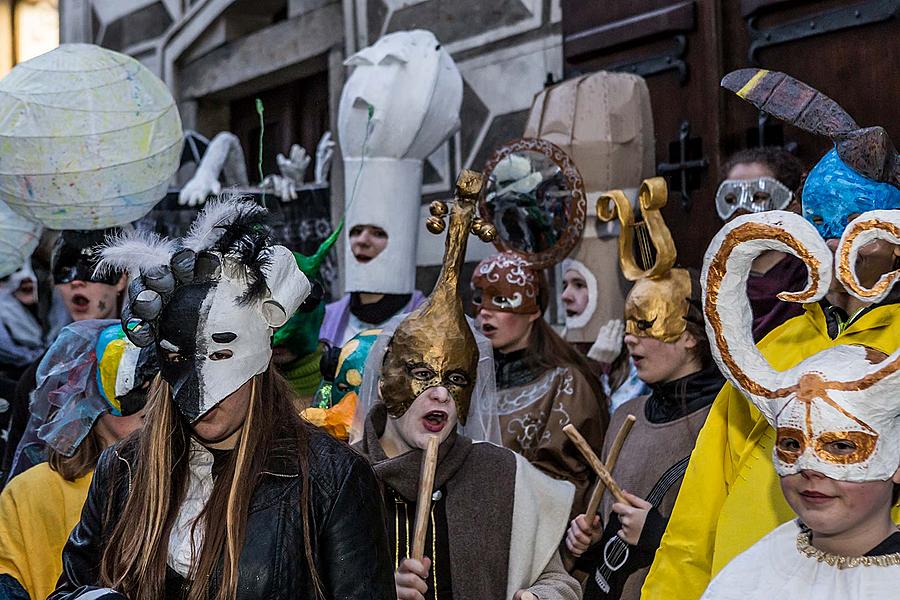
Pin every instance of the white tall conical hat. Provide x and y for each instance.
(401, 102)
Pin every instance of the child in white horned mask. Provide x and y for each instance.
(836, 417)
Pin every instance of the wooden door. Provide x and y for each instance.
(849, 50)
(293, 113)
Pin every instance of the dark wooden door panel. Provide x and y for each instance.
(673, 45)
(848, 49)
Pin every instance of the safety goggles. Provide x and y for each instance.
(752, 196)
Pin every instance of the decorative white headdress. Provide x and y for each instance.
(399, 105)
(837, 412)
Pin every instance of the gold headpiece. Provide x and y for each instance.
(436, 336)
(659, 301)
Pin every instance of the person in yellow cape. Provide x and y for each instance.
(91, 392)
(730, 497)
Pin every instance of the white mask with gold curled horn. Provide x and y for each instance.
(835, 412)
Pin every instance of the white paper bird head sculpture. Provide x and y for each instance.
(399, 105)
(838, 411)
(209, 301)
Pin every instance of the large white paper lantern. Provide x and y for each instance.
(89, 138)
(18, 239)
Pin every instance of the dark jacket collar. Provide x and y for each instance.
(283, 460)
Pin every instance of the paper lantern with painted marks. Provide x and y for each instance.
(18, 239)
(89, 138)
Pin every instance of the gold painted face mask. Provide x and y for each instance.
(657, 307)
(423, 355)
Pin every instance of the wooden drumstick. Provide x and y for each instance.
(595, 462)
(614, 450)
(423, 503)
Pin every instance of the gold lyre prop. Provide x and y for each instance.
(650, 232)
(423, 502)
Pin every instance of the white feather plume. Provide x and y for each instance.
(135, 251)
(209, 225)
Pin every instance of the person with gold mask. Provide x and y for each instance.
(731, 495)
(430, 375)
(665, 337)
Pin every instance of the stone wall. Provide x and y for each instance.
(210, 51)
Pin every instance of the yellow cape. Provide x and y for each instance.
(38, 510)
(731, 497)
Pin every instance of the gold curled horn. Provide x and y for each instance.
(650, 232)
(864, 229)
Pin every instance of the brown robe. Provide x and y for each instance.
(532, 417)
(480, 484)
(648, 452)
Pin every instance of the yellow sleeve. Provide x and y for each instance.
(13, 557)
(681, 569)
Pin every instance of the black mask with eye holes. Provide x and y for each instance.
(75, 257)
(211, 343)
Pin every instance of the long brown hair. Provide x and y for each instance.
(82, 461)
(547, 350)
(134, 559)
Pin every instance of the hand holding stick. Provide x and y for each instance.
(423, 503)
(614, 450)
(599, 468)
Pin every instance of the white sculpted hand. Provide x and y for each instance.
(202, 185)
(324, 154)
(294, 168)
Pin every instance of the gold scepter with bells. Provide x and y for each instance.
(443, 312)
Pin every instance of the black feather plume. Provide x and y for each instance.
(245, 240)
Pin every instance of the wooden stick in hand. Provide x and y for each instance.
(599, 468)
(614, 450)
(423, 503)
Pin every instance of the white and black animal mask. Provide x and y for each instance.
(210, 301)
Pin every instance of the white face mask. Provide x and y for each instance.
(209, 345)
(24, 273)
(837, 411)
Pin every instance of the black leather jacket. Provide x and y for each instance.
(348, 536)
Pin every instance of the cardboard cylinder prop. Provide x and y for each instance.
(89, 138)
(604, 123)
(18, 239)
(401, 102)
